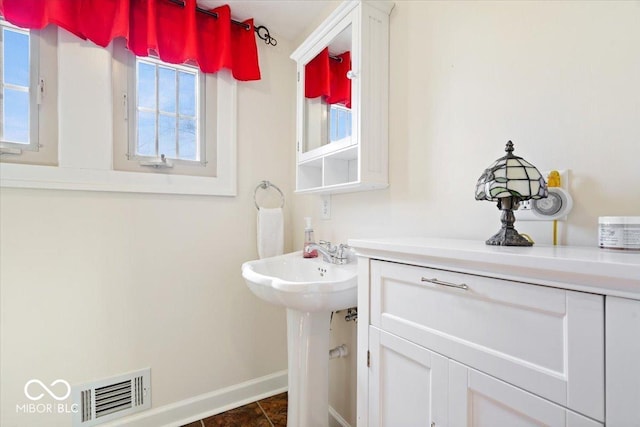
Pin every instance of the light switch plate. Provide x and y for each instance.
(325, 206)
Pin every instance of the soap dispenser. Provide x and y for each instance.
(308, 239)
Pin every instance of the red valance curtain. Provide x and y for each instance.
(327, 77)
(176, 34)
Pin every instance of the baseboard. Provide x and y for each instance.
(208, 404)
(336, 420)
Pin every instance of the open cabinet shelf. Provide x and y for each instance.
(332, 173)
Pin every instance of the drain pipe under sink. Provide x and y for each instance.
(339, 351)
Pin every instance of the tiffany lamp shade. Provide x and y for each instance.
(509, 181)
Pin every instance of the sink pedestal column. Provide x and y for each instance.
(308, 356)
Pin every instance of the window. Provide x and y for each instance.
(163, 110)
(28, 117)
(167, 112)
(339, 123)
(16, 105)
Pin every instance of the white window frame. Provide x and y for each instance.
(201, 94)
(43, 117)
(125, 120)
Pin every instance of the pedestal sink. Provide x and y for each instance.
(310, 289)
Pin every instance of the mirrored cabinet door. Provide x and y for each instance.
(342, 101)
(327, 95)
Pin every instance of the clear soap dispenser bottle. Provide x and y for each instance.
(308, 239)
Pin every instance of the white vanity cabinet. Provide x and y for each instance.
(412, 386)
(340, 147)
(457, 333)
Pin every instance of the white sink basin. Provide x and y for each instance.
(304, 284)
(310, 289)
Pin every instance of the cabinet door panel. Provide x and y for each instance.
(479, 400)
(548, 341)
(407, 383)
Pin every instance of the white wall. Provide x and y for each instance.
(96, 284)
(560, 79)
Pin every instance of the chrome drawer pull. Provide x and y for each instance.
(451, 285)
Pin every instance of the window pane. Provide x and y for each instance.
(15, 118)
(188, 148)
(16, 57)
(342, 124)
(146, 134)
(333, 124)
(167, 89)
(167, 136)
(187, 94)
(146, 85)
(172, 96)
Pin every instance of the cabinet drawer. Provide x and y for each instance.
(548, 341)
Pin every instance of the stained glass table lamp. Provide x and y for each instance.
(509, 181)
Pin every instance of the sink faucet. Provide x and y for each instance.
(332, 254)
(327, 254)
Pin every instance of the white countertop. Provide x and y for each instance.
(589, 269)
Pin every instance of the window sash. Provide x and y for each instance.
(32, 89)
(135, 109)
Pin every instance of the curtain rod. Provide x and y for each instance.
(261, 31)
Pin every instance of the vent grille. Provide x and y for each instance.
(86, 405)
(138, 389)
(113, 398)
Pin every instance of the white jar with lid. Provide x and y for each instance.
(619, 232)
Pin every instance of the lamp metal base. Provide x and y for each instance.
(508, 237)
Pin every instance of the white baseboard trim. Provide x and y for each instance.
(336, 420)
(208, 404)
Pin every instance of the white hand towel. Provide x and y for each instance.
(270, 232)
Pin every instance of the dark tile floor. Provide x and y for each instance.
(269, 412)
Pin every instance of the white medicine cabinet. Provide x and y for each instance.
(342, 101)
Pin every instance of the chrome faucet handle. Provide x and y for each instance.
(327, 244)
(342, 254)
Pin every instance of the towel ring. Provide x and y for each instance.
(264, 185)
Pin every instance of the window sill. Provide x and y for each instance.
(65, 178)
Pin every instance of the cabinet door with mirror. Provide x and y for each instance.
(326, 105)
(342, 101)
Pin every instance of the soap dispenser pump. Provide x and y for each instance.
(308, 239)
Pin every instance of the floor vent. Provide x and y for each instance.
(113, 398)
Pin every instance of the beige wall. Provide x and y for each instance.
(97, 284)
(561, 79)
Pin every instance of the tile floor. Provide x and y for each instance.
(269, 412)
